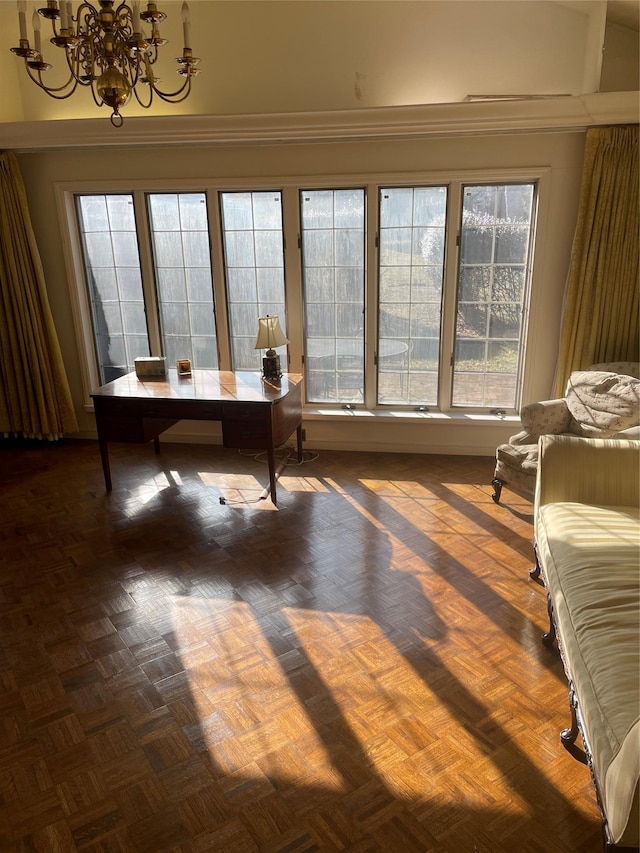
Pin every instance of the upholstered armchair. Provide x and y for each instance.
(600, 402)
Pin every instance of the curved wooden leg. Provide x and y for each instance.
(569, 735)
(534, 573)
(497, 488)
(548, 638)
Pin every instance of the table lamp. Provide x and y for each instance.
(270, 335)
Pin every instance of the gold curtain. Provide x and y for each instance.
(601, 305)
(35, 401)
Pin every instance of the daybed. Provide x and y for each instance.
(602, 401)
(587, 541)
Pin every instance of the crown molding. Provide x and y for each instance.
(553, 113)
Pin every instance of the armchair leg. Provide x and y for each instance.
(497, 484)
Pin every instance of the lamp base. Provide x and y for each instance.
(271, 367)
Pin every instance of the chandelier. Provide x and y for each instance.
(106, 51)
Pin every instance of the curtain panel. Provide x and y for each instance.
(35, 401)
(601, 309)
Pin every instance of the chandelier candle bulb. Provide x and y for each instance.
(136, 18)
(64, 15)
(186, 27)
(22, 19)
(35, 22)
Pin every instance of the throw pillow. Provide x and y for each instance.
(602, 403)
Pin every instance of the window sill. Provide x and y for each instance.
(318, 413)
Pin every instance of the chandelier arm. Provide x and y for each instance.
(173, 97)
(51, 91)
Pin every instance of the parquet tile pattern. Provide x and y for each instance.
(359, 669)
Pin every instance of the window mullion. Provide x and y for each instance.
(219, 281)
(293, 276)
(448, 318)
(371, 295)
(147, 273)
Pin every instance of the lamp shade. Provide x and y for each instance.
(270, 334)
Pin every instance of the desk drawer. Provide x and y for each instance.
(244, 434)
(245, 412)
(174, 409)
(122, 429)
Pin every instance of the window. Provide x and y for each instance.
(333, 281)
(411, 271)
(495, 245)
(112, 266)
(395, 296)
(184, 285)
(254, 269)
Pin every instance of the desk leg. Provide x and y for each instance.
(156, 444)
(299, 435)
(272, 473)
(104, 455)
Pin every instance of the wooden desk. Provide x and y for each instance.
(254, 413)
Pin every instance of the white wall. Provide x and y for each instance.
(621, 60)
(270, 56)
(560, 152)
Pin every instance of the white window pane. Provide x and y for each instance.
(98, 250)
(165, 212)
(350, 247)
(242, 285)
(237, 209)
(193, 212)
(171, 285)
(177, 346)
(121, 213)
(201, 320)
(94, 213)
(104, 284)
(318, 248)
(204, 354)
(512, 244)
(349, 209)
(125, 249)
(167, 249)
(428, 246)
(108, 320)
(319, 284)
(239, 249)
(268, 246)
(396, 207)
(270, 286)
(199, 285)
(175, 318)
(133, 319)
(196, 249)
(430, 206)
(395, 284)
(244, 319)
(130, 284)
(267, 212)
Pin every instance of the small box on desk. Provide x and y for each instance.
(151, 368)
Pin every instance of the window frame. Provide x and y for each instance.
(290, 186)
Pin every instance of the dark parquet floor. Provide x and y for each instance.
(359, 669)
